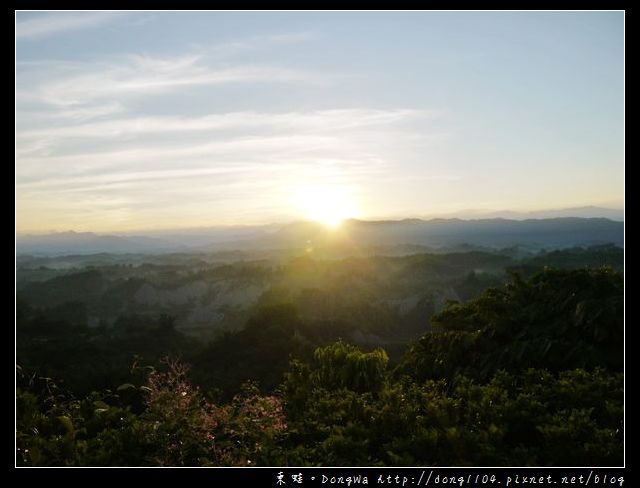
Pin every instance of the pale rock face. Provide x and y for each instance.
(206, 300)
(232, 294)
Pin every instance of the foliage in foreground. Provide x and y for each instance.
(178, 425)
(534, 419)
(527, 374)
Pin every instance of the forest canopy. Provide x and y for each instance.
(528, 373)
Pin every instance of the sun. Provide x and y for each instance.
(329, 205)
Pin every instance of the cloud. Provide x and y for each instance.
(268, 151)
(318, 121)
(58, 23)
(76, 84)
(81, 114)
(191, 156)
(110, 141)
(331, 144)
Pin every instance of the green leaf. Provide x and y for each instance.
(67, 424)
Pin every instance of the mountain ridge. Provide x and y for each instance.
(436, 233)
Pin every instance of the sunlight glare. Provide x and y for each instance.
(329, 205)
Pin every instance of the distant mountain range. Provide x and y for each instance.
(585, 212)
(546, 233)
(60, 243)
(442, 233)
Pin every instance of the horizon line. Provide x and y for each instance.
(425, 219)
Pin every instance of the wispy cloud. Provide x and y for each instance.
(330, 144)
(57, 23)
(111, 141)
(317, 121)
(140, 76)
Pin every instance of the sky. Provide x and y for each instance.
(157, 120)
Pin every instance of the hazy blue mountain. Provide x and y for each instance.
(352, 234)
(587, 212)
(60, 243)
(552, 233)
